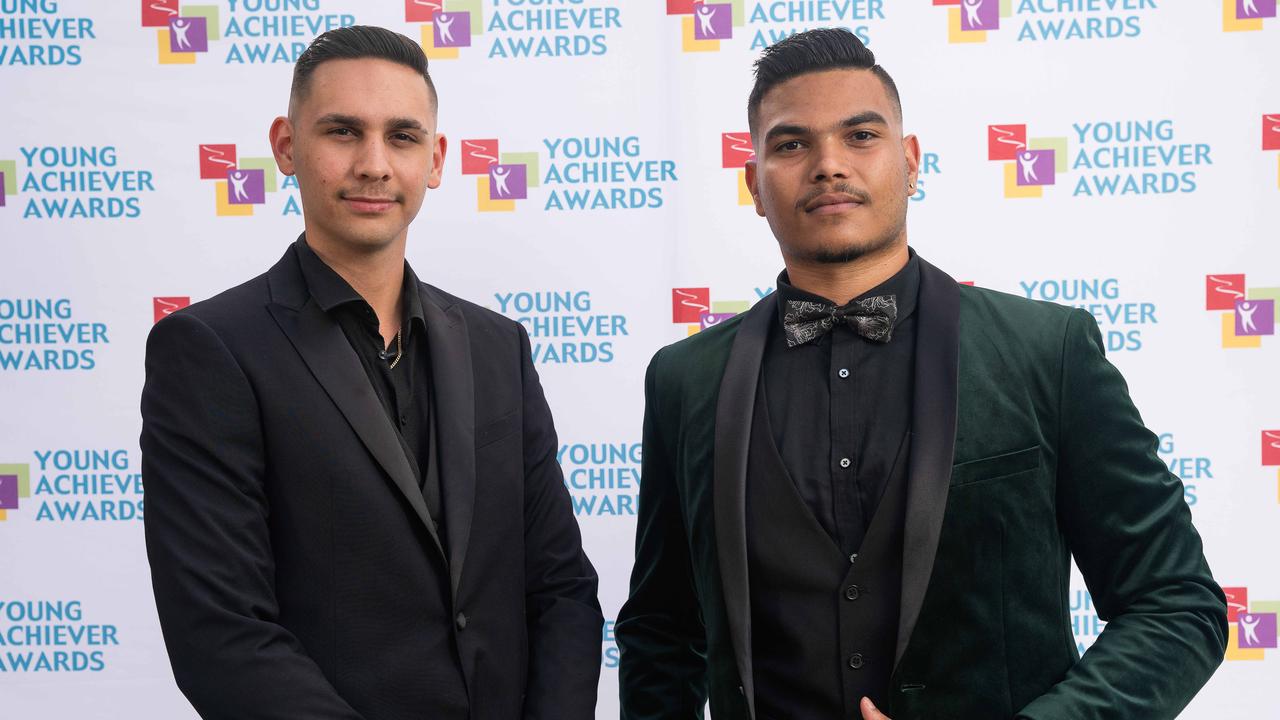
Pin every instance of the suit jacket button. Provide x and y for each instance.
(741, 691)
(460, 621)
(855, 661)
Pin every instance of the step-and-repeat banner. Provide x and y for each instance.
(1118, 155)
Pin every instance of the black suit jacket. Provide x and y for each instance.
(296, 571)
(1026, 451)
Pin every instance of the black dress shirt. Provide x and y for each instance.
(403, 390)
(840, 409)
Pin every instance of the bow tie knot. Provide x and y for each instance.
(872, 318)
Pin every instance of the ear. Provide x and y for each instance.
(753, 184)
(911, 150)
(438, 148)
(282, 144)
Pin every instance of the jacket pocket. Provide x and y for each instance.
(996, 466)
(496, 430)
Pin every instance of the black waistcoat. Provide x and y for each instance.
(824, 626)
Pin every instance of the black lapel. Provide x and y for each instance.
(734, 408)
(324, 348)
(453, 394)
(933, 439)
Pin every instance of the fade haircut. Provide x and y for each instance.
(354, 43)
(814, 51)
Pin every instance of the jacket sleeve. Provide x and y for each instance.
(662, 668)
(561, 606)
(1130, 532)
(208, 541)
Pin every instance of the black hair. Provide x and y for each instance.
(356, 42)
(814, 51)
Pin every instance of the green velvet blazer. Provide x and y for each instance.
(1026, 451)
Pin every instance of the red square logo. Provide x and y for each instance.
(1004, 141)
(688, 304)
(1222, 291)
(735, 149)
(422, 10)
(478, 155)
(1237, 601)
(164, 306)
(680, 7)
(158, 13)
(216, 160)
(1271, 132)
(1270, 448)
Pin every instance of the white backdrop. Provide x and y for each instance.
(1163, 120)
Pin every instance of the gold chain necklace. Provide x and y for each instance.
(399, 351)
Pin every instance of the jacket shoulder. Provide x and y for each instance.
(229, 310)
(1013, 320)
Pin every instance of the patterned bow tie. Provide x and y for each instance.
(872, 318)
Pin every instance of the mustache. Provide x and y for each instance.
(845, 188)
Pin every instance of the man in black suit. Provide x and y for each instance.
(861, 497)
(354, 508)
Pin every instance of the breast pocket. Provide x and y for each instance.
(495, 430)
(995, 467)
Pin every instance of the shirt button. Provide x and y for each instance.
(853, 558)
(855, 661)
(844, 462)
(844, 372)
(404, 419)
(461, 621)
(851, 592)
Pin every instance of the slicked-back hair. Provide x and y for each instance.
(814, 51)
(354, 43)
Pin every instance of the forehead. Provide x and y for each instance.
(835, 94)
(368, 87)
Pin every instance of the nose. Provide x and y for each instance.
(830, 160)
(372, 162)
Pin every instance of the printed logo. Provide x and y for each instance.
(501, 179)
(1250, 313)
(1251, 625)
(43, 335)
(163, 307)
(704, 25)
(694, 308)
(513, 28)
(257, 31)
(240, 182)
(15, 484)
(53, 636)
(73, 181)
(1246, 15)
(735, 151)
(1271, 454)
(1121, 320)
(969, 21)
(1029, 164)
(1271, 138)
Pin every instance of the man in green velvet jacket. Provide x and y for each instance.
(1022, 450)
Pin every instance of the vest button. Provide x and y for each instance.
(855, 661)
(851, 592)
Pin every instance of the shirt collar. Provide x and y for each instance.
(905, 284)
(331, 291)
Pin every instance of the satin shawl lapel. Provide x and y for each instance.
(734, 408)
(453, 390)
(933, 438)
(328, 354)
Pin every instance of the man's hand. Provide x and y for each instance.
(869, 711)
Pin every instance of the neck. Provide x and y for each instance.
(842, 282)
(377, 274)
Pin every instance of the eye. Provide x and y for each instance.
(404, 137)
(788, 146)
(863, 135)
(342, 132)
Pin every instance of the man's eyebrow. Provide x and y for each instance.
(404, 123)
(778, 130)
(340, 119)
(869, 117)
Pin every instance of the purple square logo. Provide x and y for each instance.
(1256, 630)
(1255, 317)
(246, 187)
(8, 492)
(710, 319)
(189, 34)
(979, 14)
(1035, 167)
(508, 182)
(452, 29)
(1, 189)
(713, 22)
(1246, 9)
